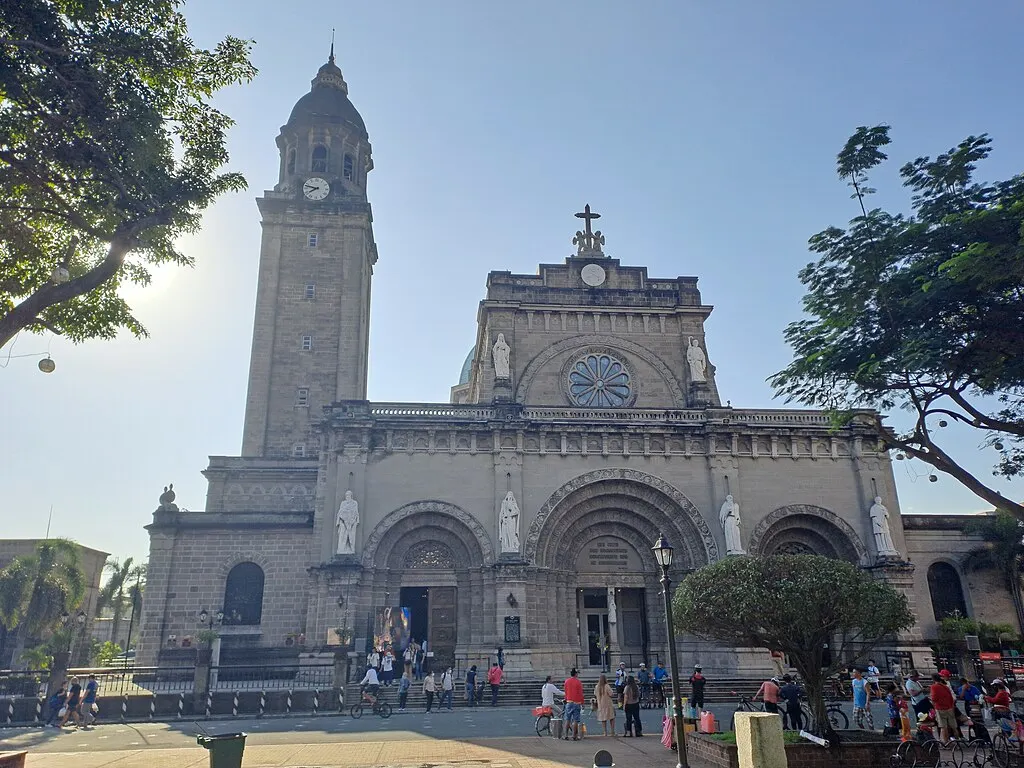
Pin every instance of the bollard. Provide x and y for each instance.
(234, 705)
(39, 709)
(152, 707)
(288, 703)
(181, 704)
(209, 702)
(341, 699)
(124, 708)
(316, 701)
(10, 711)
(263, 703)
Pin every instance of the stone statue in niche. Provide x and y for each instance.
(729, 516)
(697, 361)
(167, 499)
(346, 524)
(880, 528)
(500, 354)
(613, 616)
(508, 524)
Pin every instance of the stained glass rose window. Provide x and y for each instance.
(598, 380)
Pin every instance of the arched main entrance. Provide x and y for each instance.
(592, 540)
(432, 558)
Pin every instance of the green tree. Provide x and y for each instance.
(922, 312)
(796, 604)
(1002, 551)
(109, 151)
(120, 589)
(106, 654)
(38, 589)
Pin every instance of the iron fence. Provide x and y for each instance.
(302, 677)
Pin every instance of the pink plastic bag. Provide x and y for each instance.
(666, 731)
(707, 722)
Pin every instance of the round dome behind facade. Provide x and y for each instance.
(467, 367)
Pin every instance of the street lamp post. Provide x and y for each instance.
(663, 554)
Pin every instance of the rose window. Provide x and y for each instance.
(599, 381)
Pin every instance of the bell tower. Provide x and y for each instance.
(311, 332)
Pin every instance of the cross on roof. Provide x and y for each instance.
(587, 216)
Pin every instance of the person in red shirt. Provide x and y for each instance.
(944, 704)
(770, 691)
(1000, 699)
(573, 704)
(494, 678)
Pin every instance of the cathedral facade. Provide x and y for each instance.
(586, 421)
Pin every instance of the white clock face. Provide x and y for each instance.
(593, 275)
(316, 188)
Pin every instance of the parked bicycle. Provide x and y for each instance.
(544, 717)
(378, 706)
(1008, 743)
(744, 705)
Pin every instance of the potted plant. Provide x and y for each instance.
(206, 638)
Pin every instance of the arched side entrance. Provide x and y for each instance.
(806, 529)
(591, 544)
(433, 558)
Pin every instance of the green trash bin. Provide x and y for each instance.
(225, 749)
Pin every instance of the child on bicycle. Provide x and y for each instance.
(369, 685)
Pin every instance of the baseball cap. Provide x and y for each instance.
(945, 673)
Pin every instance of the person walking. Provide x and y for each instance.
(57, 702)
(403, 691)
(573, 704)
(697, 683)
(447, 689)
(429, 687)
(494, 678)
(604, 696)
(89, 701)
(790, 693)
(872, 678)
(861, 701)
(73, 702)
(631, 706)
(471, 686)
(769, 691)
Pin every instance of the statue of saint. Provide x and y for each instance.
(167, 499)
(729, 516)
(346, 524)
(500, 354)
(698, 363)
(508, 524)
(880, 527)
(612, 612)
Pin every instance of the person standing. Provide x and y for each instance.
(494, 678)
(769, 691)
(89, 701)
(893, 703)
(643, 681)
(861, 701)
(57, 702)
(403, 691)
(944, 705)
(573, 704)
(872, 677)
(447, 689)
(387, 664)
(471, 686)
(501, 658)
(896, 670)
(408, 657)
(373, 659)
(418, 661)
(631, 706)
(603, 694)
(697, 682)
(660, 675)
(970, 695)
(919, 700)
(790, 693)
(620, 682)
(429, 687)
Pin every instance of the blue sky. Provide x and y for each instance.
(705, 133)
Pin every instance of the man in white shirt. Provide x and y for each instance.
(548, 693)
(388, 667)
(372, 685)
(872, 676)
(447, 689)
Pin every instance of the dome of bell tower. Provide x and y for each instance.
(327, 101)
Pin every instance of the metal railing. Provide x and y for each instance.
(611, 663)
(300, 677)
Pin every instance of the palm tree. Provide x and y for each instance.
(118, 591)
(1003, 551)
(38, 589)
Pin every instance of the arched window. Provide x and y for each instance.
(290, 163)
(946, 591)
(243, 595)
(347, 168)
(320, 158)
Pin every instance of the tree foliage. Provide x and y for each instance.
(798, 604)
(38, 589)
(923, 312)
(109, 150)
(122, 589)
(1003, 551)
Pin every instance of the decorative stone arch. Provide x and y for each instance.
(590, 499)
(949, 595)
(620, 529)
(600, 340)
(816, 527)
(426, 515)
(251, 556)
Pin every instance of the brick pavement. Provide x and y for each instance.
(512, 752)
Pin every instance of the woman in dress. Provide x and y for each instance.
(605, 706)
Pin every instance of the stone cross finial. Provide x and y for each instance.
(588, 240)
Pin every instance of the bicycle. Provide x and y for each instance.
(544, 717)
(380, 707)
(1008, 743)
(744, 705)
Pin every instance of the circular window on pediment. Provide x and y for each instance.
(599, 379)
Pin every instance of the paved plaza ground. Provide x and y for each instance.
(466, 738)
